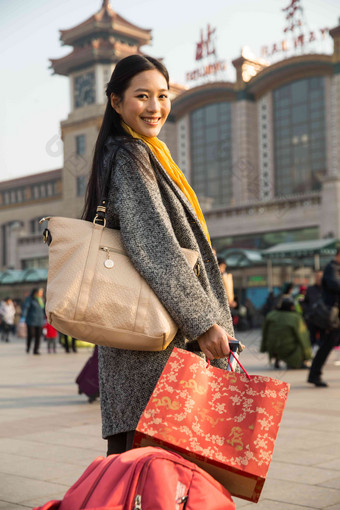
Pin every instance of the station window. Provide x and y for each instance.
(81, 185)
(211, 154)
(80, 145)
(299, 133)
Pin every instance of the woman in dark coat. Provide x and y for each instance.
(34, 315)
(157, 213)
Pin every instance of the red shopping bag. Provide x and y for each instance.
(225, 422)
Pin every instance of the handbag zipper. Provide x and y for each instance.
(138, 498)
(109, 263)
(138, 502)
(143, 475)
(114, 250)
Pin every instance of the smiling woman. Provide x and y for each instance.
(157, 213)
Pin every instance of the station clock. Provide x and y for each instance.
(84, 89)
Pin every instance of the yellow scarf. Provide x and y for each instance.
(162, 153)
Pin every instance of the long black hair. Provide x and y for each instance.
(34, 291)
(125, 70)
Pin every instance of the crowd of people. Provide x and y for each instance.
(294, 331)
(290, 333)
(29, 319)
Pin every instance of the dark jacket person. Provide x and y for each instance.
(329, 338)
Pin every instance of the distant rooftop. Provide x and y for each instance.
(302, 248)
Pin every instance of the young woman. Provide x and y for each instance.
(157, 213)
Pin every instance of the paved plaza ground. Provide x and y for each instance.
(49, 434)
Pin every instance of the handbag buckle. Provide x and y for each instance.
(44, 219)
(97, 219)
(100, 215)
(47, 238)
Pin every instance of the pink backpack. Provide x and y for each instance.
(144, 479)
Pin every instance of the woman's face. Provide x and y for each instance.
(146, 103)
(40, 293)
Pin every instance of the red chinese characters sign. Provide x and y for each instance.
(296, 27)
(205, 48)
(298, 42)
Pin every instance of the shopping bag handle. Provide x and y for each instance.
(231, 367)
(240, 364)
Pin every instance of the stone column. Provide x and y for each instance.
(245, 153)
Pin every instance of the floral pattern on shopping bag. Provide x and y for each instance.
(218, 415)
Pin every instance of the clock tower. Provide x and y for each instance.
(98, 44)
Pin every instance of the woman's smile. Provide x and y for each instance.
(150, 120)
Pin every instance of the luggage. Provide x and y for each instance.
(88, 379)
(144, 479)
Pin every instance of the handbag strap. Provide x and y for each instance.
(101, 208)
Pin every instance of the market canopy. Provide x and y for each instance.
(239, 257)
(302, 249)
(13, 276)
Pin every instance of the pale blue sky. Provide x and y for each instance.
(33, 101)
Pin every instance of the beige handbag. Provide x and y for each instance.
(95, 294)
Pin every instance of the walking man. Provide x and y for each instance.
(329, 338)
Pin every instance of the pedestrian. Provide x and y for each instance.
(33, 313)
(269, 304)
(65, 341)
(51, 335)
(157, 213)
(227, 281)
(300, 299)
(285, 336)
(251, 313)
(313, 295)
(7, 313)
(329, 337)
(287, 292)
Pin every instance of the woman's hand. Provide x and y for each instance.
(214, 342)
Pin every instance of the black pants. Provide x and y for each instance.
(328, 341)
(5, 329)
(33, 331)
(119, 443)
(66, 344)
(314, 334)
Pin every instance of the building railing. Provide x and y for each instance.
(278, 205)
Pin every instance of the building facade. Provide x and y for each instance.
(262, 153)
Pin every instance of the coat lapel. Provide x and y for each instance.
(178, 192)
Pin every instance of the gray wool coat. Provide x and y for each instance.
(156, 219)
